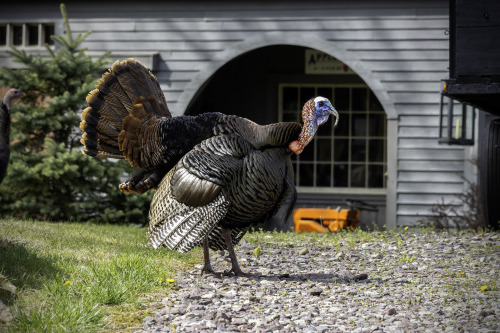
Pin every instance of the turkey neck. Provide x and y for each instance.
(4, 125)
(260, 136)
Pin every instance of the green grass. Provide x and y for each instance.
(83, 277)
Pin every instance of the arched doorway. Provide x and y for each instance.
(270, 84)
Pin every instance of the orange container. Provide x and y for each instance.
(324, 220)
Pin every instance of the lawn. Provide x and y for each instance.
(83, 277)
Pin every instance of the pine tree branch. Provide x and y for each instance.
(66, 22)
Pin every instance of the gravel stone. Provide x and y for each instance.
(392, 312)
(392, 282)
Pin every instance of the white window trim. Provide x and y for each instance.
(24, 45)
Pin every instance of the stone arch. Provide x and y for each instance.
(296, 39)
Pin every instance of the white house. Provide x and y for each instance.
(381, 63)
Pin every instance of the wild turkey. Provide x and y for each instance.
(11, 97)
(220, 174)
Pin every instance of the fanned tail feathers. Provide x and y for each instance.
(114, 98)
(140, 131)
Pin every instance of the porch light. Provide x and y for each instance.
(456, 121)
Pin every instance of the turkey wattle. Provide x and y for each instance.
(11, 97)
(216, 175)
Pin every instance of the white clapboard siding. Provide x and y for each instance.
(397, 55)
(408, 110)
(408, 76)
(429, 199)
(403, 44)
(425, 154)
(425, 143)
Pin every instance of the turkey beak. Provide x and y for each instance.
(335, 114)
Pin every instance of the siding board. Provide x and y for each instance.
(419, 132)
(380, 45)
(137, 44)
(419, 120)
(416, 98)
(431, 154)
(361, 35)
(286, 24)
(404, 76)
(424, 188)
(408, 66)
(422, 143)
(451, 166)
(424, 55)
(427, 199)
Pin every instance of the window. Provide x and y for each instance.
(26, 35)
(3, 35)
(353, 155)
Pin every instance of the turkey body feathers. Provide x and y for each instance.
(253, 184)
(186, 224)
(11, 97)
(4, 140)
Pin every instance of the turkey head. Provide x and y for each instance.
(314, 113)
(12, 96)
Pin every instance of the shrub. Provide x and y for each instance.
(48, 177)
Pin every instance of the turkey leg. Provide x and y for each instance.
(207, 268)
(235, 268)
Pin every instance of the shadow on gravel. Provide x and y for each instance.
(314, 277)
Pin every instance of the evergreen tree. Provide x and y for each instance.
(48, 177)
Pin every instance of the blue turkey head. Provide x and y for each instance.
(323, 108)
(315, 112)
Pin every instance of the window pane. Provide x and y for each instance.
(341, 100)
(358, 124)
(17, 35)
(32, 34)
(376, 176)
(323, 175)
(3, 35)
(341, 150)
(340, 175)
(376, 151)
(359, 99)
(291, 117)
(48, 30)
(306, 176)
(324, 150)
(358, 150)
(305, 95)
(342, 128)
(358, 175)
(376, 124)
(374, 103)
(308, 153)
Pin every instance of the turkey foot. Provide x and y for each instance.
(142, 181)
(235, 267)
(207, 267)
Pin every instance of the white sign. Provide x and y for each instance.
(318, 62)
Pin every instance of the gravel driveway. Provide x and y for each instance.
(359, 282)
